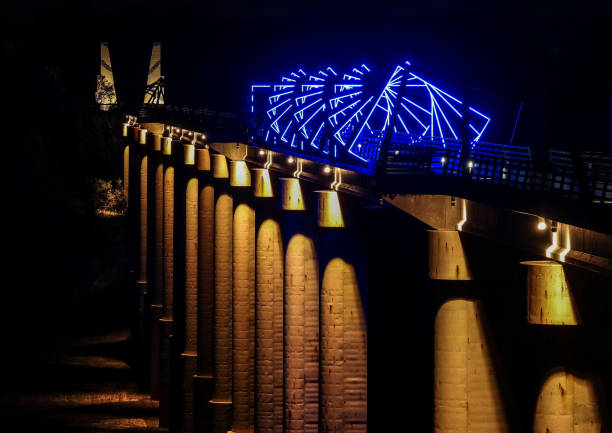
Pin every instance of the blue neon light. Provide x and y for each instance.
(320, 110)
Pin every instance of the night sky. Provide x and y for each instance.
(554, 56)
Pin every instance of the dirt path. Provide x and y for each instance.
(84, 385)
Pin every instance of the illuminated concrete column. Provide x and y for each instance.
(142, 136)
(126, 172)
(158, 262)
(243, 310)
(222, 396)
(466, 393)
(329, 211)
(568, 403)
(549, 297)
(291, 196)
(343, 367)
(243, 314)
(144, 171)
(203, 379)
(167, 320)
(301, 359)
(269, 326)
(189, 355)
(262, 184)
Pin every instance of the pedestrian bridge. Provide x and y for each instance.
(297, 271)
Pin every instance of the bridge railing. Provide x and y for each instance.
(508, 166)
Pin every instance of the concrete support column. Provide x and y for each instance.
(343, 351)
(269, 327)
(224, 203)
(189, 355)
(549, 298)
(203, 379)
(243, 313)
(142, 284)
(126, 172)
(569, 403)
(301, 359)
(158, 275)
(167, 320)
(144, 172)
(466, 393)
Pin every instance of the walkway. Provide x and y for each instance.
(84, 385)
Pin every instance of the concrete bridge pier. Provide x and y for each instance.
(221, 403)
(142, 162)
(343, 339)
(156, 308)
(268, 307)
(301, 311)
(203, 385)
(569, 401)
(169, 149)
(243, 291)
(190, 304)
(467, 397)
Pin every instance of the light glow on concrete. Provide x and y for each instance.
(219, 166)
(447, 259)
(549, 297)
(262, 184)
(568, 403)
(329, 211)
(291, 194)
(240, 176)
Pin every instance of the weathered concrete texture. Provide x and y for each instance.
(188, 361)
(191, 301)
(343, 351)
(243, 314)
(126, 172)
(329, 211)
(156, 314)
(301, 336)
(269, 326)
(206, 237)
(466, 393)
(143, 216)
(191, 265)
(168, 241)
(222, 399)
(291, 197)
(158, 279)
(166, 323)
(447, 259)
(164, 371)
(549, 298)
(158, 296)
(568, 403)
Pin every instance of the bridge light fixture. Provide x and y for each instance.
(290, 160)
(262, 152)
(327, 169)
(542, 225)
(442, 160)
(203, 136)
(470, 164)
(396, 152)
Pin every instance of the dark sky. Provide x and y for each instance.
(554, 56)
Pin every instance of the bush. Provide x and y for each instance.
(110, 197)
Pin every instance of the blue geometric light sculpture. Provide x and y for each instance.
(343, 117)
